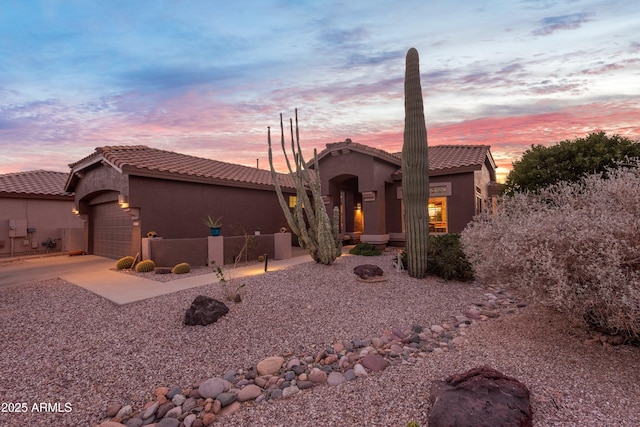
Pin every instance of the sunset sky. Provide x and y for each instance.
(206, 78)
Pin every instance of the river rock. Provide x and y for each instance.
(211, 387)
(270, 365)
(374, 362)
(250, 392)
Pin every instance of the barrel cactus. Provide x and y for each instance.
(181, 268)
(415, 170)
(145, 266)
(124, 263)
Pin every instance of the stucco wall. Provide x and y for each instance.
(49, 217)
(461, 203)
(373, 175)
(100, 179)
(174, 209)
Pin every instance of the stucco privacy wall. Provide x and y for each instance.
(51, 219)
(202, 250)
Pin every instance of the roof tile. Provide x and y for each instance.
(38, 182)
(441, 157)
(155, 160)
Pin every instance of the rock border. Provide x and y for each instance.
(279, 377)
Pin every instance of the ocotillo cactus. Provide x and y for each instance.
(316, 232)
(415, 170)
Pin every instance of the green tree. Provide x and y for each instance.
(568, 160)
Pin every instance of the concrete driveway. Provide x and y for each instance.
(28, 270)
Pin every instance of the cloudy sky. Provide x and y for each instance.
(207, 77)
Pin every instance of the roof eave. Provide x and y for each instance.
(12, 195)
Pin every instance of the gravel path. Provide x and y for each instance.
(61, 344)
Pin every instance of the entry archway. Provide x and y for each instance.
(349, 200)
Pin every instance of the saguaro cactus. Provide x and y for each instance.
(415, 170)
(309, 221)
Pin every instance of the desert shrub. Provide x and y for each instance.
(365, 249)
(446, 259)
(573, 246)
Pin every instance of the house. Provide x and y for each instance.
(36, 214)
(125, 192)
(366, 184)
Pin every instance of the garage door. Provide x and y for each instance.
(112, 230)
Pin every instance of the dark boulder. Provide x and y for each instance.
(480, 397)
(367, 271)
(204, 311)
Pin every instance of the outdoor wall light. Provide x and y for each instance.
(75, 211)
(123, 201)
(358, 206)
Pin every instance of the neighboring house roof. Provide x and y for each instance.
(145, 161)
(38, 184)
(443, 159)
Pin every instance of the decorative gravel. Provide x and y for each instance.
(78, 353)
(153, 275)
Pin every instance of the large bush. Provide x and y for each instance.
(575, 247)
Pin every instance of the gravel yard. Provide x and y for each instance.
(63, 346)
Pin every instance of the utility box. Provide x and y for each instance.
(18, 227)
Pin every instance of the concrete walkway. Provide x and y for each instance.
(123, 288)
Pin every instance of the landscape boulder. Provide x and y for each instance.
(367, 271)
(204, 311)
(480, 397)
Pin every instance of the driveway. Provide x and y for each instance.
(43, 268)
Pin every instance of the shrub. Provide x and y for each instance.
(181, 268)
(145, 266)
(574, 247)
(124, 263)
(365, 249)
(446, 259)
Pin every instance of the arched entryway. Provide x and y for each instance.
(344, 189)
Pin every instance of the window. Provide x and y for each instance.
(438, 215)
(478, 200)
(478, 205)
(437, 209)
(292, 201)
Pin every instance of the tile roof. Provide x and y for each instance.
(138, 159)
(441, 157)
(456, 156)
(38, 182)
